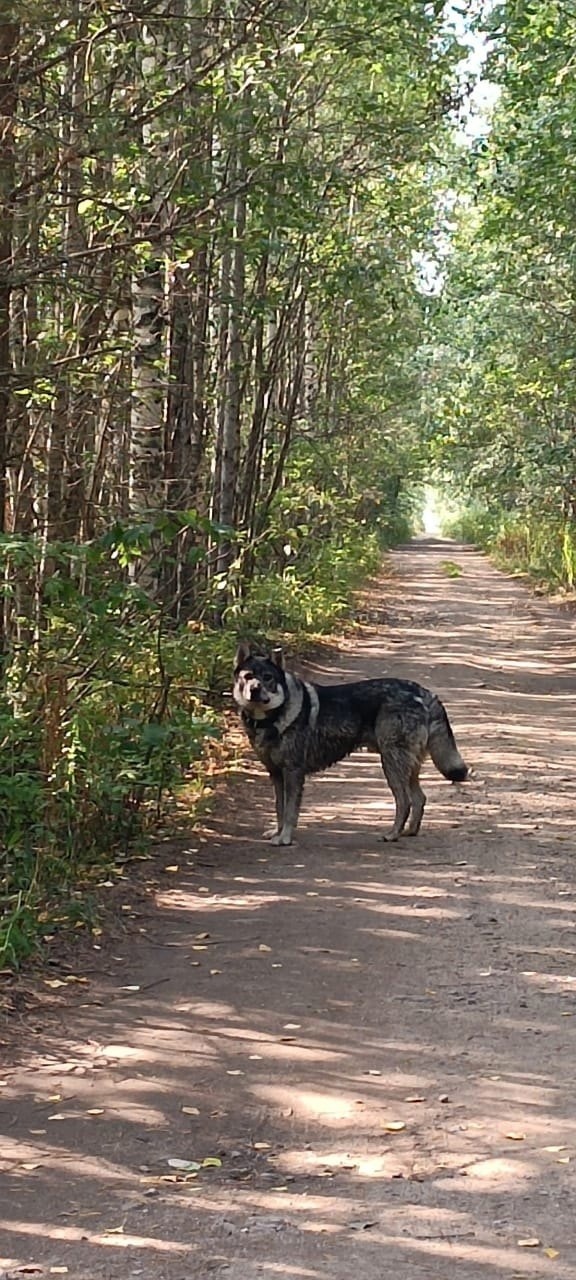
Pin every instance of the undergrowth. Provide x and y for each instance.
(539, 546)
(108, 709)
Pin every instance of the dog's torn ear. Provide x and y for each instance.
(243, 653)
(278, 658)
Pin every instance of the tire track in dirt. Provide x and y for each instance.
(377, 1042)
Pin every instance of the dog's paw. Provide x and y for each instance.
(270, 832)
(281, 837)
(389, 837)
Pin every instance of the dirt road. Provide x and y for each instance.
(376, 1042)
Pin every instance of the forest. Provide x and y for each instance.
(259, 286)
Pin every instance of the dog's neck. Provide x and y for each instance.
(259, 713)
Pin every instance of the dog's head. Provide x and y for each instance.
(259, 681)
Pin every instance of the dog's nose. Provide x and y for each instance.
(257, 694)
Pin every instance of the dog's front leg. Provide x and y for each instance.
(292, 794)
(278, 784)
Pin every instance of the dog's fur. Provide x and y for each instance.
(298, 728)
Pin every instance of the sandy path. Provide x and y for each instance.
(376, 1042)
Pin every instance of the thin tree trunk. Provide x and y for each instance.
(147, 483)
(146, 427)
(9, 35)
(233, 383)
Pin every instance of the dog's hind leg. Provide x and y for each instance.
(277, 778)
(417, 803)
(397, 765)
(293, 788)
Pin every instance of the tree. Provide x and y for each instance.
(506, 330)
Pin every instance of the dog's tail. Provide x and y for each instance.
(442, 745)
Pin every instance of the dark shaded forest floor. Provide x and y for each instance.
(376, 1044)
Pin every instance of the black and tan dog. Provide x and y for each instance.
(298, 728)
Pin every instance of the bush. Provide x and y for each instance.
(532, 543)
(105, 712)
(99, 720)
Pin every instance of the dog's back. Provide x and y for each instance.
(371, 713)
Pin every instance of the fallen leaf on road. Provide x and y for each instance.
(551, 1253)
(515, 1137)
(190, 1111)
(531, 1242)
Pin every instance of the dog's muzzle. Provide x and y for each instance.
(257, 694)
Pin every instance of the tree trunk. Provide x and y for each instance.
(147, 415)
(229, 450)
(9, 35)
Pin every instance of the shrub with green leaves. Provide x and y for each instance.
(100, 720)
(109, 705)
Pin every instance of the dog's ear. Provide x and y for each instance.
(243, 653)
(278, 658)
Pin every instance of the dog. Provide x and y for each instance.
(297, 728)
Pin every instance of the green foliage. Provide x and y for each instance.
(99, 720)
(499, 371)
(106, 713)
(220, 315)
(543, 549)
(473, 524)
(312, 599)
(337, 510)
(451, 569)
